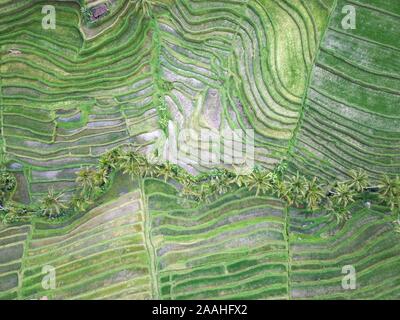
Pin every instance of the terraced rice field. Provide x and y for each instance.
(234, 248)
(321, 98)
(352, 114)
(13, 244)
(99, 255)
(246, 247)
(238, 247)
(69, 96)
(367, 243)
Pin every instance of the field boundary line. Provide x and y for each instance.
(148, 242)
(293, 140)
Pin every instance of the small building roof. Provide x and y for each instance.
(99, 11)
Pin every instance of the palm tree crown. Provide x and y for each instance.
(167, 170)
(390, 191)
(131, 163)
(260, 180)
(86, 179)
(314, 194)
(296, 186)
(358, 179)
(110, 159)
(343, 195)
(52, 204)
(220, 181)
(149, 169)
(101, 177)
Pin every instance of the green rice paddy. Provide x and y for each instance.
(319, 98)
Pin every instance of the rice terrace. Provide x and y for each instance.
(199, 149)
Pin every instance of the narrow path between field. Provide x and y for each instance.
(148, 242)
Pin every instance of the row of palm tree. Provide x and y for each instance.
(297, 190)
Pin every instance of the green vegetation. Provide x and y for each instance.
(86, 108)
(296, 190)
(51, 205)
(106, 245)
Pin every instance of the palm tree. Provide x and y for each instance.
(11, 213)
(80, 202)
(260, 180)
(314, 194)
(204, 193)
(386, 185)
(101, 177)
(7, 181)
(359, 179)
(86, 179)
(240, 178)
(220, 181)
(183, 177)
(110, 159)
(282, 191)
(389, 186)
(343, 195)
(187, 181)
(143, 6)
(7, 184)
(341, 215)
(51, 204)
(131, 163)
(149, 169)
(393, 201)
(296, 186)
(389, 192)
(167, 170)
(188, 189)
